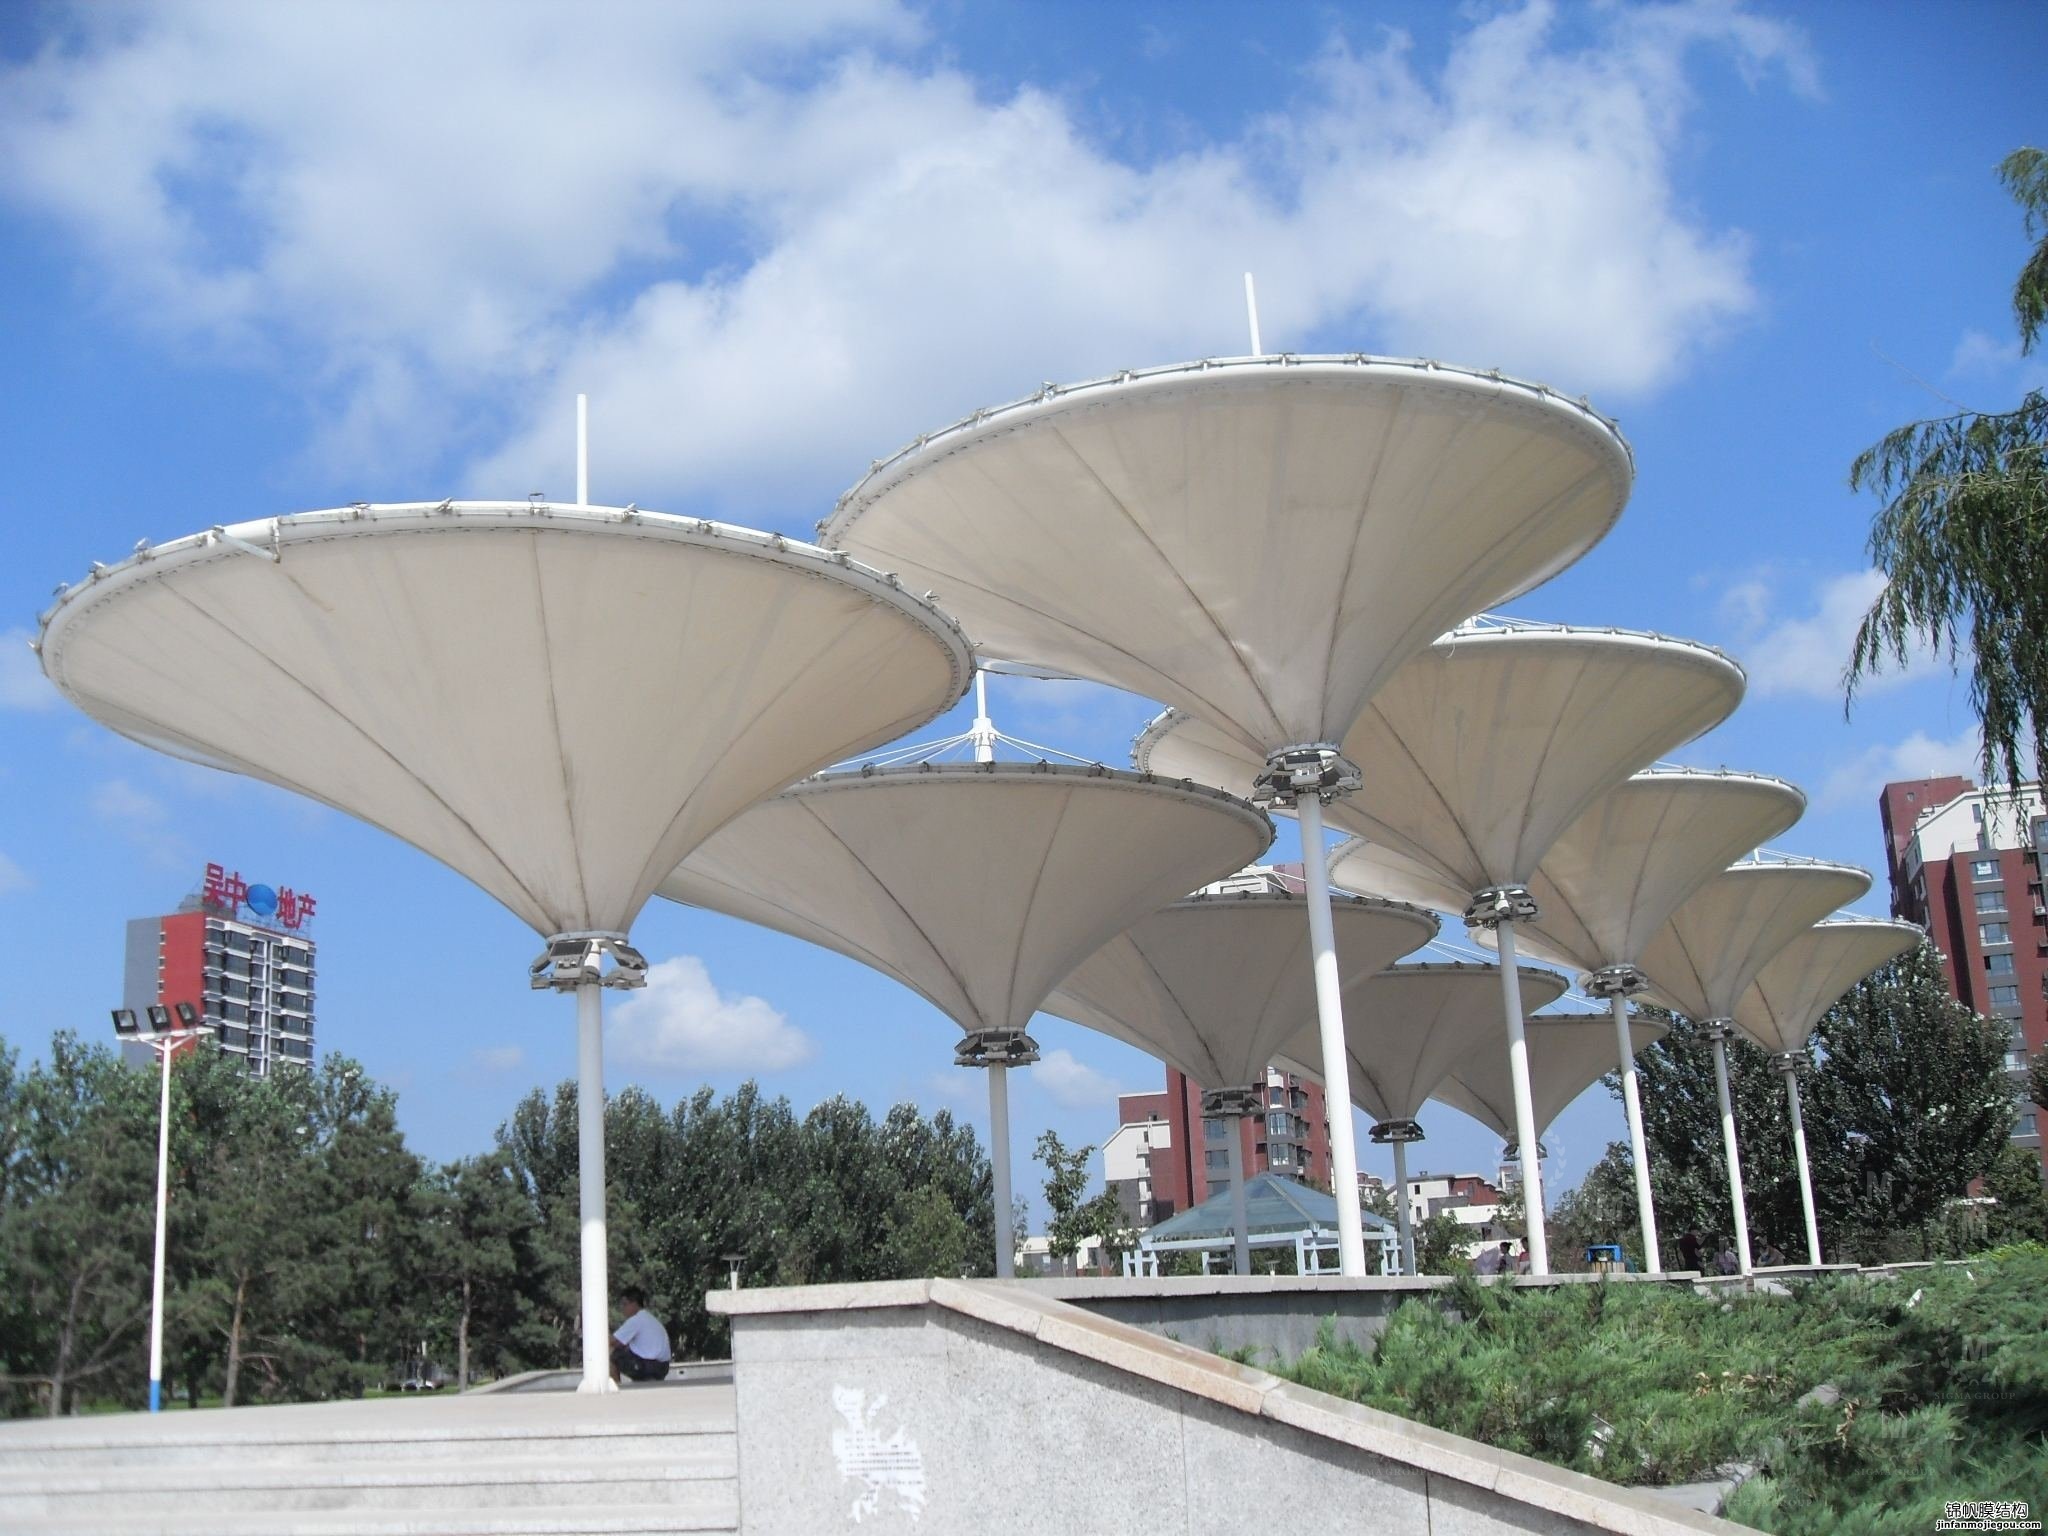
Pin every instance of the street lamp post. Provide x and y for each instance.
(167, 1031)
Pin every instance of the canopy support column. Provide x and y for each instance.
(1232, 1105)
(590, 1188)
(1497, 908)
(1399, 1133)
(1720, 1032)
(1617, 983)
(1304, 778)
(574, 962)
(998, 1050)
(1793, 1064)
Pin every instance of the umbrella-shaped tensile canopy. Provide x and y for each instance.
(1215, 984)
(1718, 942)
(1612, 881)
(558, 702)
(979, 886)
(1568, 1053)
(1790, 995)
(1405, 1031)
(1260, 542)
(1479, 754)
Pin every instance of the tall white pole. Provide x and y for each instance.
(983, 732)
(1632, 1103)
(1805, 1171)
(1330, 1030)
(1251, 309)
(999, 1163)
(597, 1333)
(1536, 1237)
(1735, 1197)
(1401, 1211)
(163, 1186)
(583, 450)
(1240, 1219)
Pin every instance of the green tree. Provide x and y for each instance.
(1962, 535)
(75, 1232)
(2020, 1214)
(475, 1223)
(1601, 1208)
(1066, 1183)
(925, 1235)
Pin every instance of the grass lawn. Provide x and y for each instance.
(1935, 1387)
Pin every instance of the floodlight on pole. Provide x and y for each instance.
(1718, 1032)
(1499, 908)
(998, 1050)
(168, 1032)
(1231, 1106)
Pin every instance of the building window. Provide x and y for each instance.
(1212, 1129)
(1994, 933)
(1999, 964)
(1991, 901)
(2015, 1061)
(1214, 1159)
(1984, 869)
(2005, 997)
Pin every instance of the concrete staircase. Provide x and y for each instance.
(645, 1461)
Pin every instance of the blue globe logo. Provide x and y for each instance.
(261, 900)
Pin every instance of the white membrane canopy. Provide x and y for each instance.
(1568, 1053)
(1810, 975)
(1483, 749)
(977, 885)
(1613, 880)
(1215, 985)
(557, 702)
(1407, 1029)
(1726, 932)
(1259, 542)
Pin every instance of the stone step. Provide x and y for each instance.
(692, 1445)
(591, 1520)
(122, 1493)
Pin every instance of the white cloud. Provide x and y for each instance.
(772, 241)
(1855, 783)
(1805, 656)
(13, 877)
(681, 1022)
(1979, 357)
(22, 684)
(140, 817)
(498, 1058)
(1073, 1084)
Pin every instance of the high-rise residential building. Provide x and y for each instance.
(1966, 863)
(244, 957)
(1167, 1156)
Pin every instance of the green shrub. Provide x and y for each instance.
(1939, 1386)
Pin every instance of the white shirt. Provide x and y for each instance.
(643, 1334)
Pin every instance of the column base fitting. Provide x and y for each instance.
(1497, 904)
(1307, 768)
(1395, 1130)
(574, 960)
(995, 1048)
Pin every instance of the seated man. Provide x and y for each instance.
(640, 1347)
(1493, 1261)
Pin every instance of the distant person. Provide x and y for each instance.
(1689, 1251)
(1492, 1261)
(640, 1347)
(1728, 1263)
(1522, 1261)
(1770, 1254)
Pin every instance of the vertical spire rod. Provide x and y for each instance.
(1251, 309)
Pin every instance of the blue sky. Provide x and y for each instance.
(266, 258)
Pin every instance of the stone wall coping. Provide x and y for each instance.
(1029, 1309)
